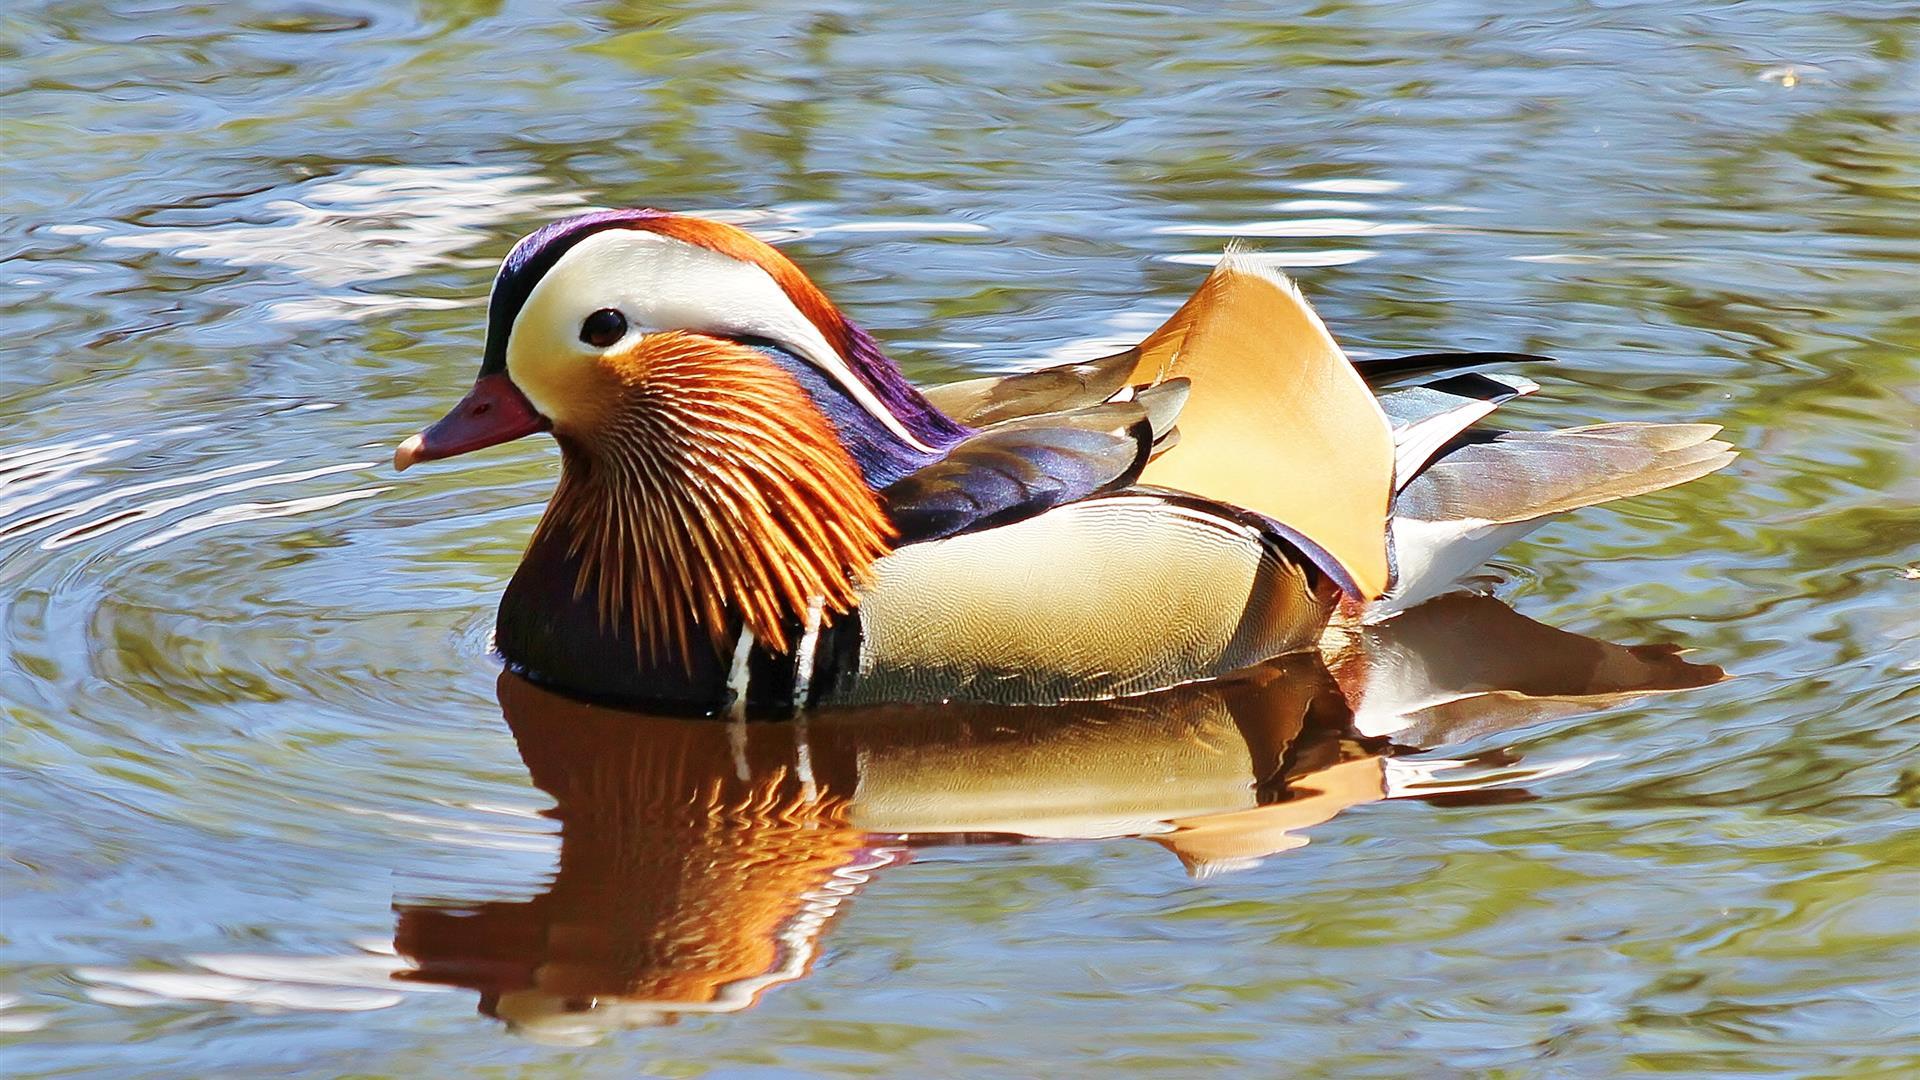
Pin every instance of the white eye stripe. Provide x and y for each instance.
(659, 284)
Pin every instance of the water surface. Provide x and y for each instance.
(257, 761)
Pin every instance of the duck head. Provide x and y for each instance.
(724, 428)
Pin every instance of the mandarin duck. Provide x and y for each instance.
(757, 511)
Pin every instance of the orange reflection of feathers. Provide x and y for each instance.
(706, 892)
(1223, 841)
(692, 872)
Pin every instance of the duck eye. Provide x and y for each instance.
(603, 328)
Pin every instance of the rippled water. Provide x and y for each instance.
(264, 809)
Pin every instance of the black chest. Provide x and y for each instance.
(554, 635)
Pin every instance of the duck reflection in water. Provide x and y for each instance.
(701, 862)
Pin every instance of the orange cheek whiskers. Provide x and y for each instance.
(712, 489)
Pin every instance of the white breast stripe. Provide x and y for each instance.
(803, 653)
(738, 676)
(803, 761)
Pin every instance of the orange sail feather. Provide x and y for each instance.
(1278, 421)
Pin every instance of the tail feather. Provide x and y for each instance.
(1483, 495)
(1384, 370)
(1426, 418)
(1523, 476)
